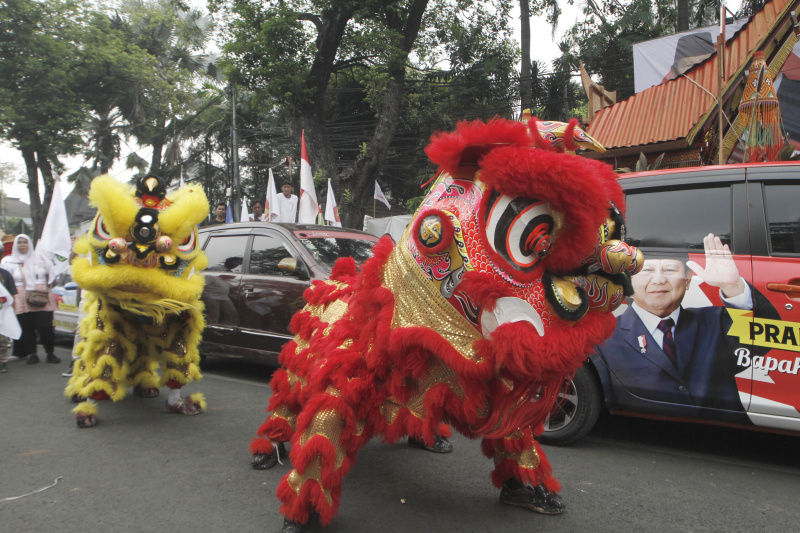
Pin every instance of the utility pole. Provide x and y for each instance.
(721, 59)
(237, 185)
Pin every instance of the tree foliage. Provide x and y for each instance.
(604, 39)
(42, 72)
(80, 77)
(320, 60)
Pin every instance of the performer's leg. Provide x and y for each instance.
(523, 473)
(268, 446)
(104, 364)
(182, 361)
(323, 450)
(144, 370)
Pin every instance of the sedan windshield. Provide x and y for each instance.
(328, 246)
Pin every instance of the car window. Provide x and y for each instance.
(783, 218)
(326, 250)
(678, 219)
(226, 252)
(268, 251)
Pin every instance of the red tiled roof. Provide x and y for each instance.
(667, 112)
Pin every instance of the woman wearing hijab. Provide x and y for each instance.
(31, 272)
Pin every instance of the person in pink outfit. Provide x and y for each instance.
(31, 271)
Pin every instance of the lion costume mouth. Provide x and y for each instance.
(508, 310)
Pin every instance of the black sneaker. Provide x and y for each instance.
(51, 358)
(263, 461)
(33, 359)
(537, 499)
(440, 444)
(3, 368)
(293, 527)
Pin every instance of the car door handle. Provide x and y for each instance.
(783, 287)
(247, 288)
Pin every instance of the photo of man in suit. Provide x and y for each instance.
(663, 352)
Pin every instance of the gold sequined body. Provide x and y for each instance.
(117, 351)
(412, 387)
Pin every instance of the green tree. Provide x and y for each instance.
(175, 37)
(41, 73)
(292, 53)
(526, 11)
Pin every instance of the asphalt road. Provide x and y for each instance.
(142, 470)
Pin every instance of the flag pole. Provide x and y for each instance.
(373, 208)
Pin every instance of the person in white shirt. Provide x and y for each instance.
(257, 214)
(287, 204)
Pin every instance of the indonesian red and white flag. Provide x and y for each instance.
(380, 196)
(308, 205)
(331, 211)
(271, 205)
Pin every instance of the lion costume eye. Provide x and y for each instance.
(519, 229)
(100, 229)
(187, 245)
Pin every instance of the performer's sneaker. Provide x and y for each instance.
(85, 420)
(537, 499)
(51, 358)
(293, 527)
(263, 461)
(33, 359)
(3, 368)
(440, 444)
(184, 406)
(290, 526)
(68, 372)
(145, 392)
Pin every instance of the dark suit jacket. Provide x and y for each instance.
(706, 360)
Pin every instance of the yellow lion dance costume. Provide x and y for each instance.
(139, 268)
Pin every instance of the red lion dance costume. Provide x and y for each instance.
(497, 291)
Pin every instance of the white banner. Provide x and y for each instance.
(245, 217)
(56, 243)
(331, 211)
(309, 206)
(380, 196)
(659, 60)
(271, 206)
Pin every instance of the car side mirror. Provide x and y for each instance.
(290, 265)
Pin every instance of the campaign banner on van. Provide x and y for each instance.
(700, 339)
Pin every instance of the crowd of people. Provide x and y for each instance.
(286, 209)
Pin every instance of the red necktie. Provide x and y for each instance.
(669, 342)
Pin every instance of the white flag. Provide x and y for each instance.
(309, 206)
(331, 211)
(379, 195)
(55, 243)
(245, 215)
(271, 205)
(9, 326)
